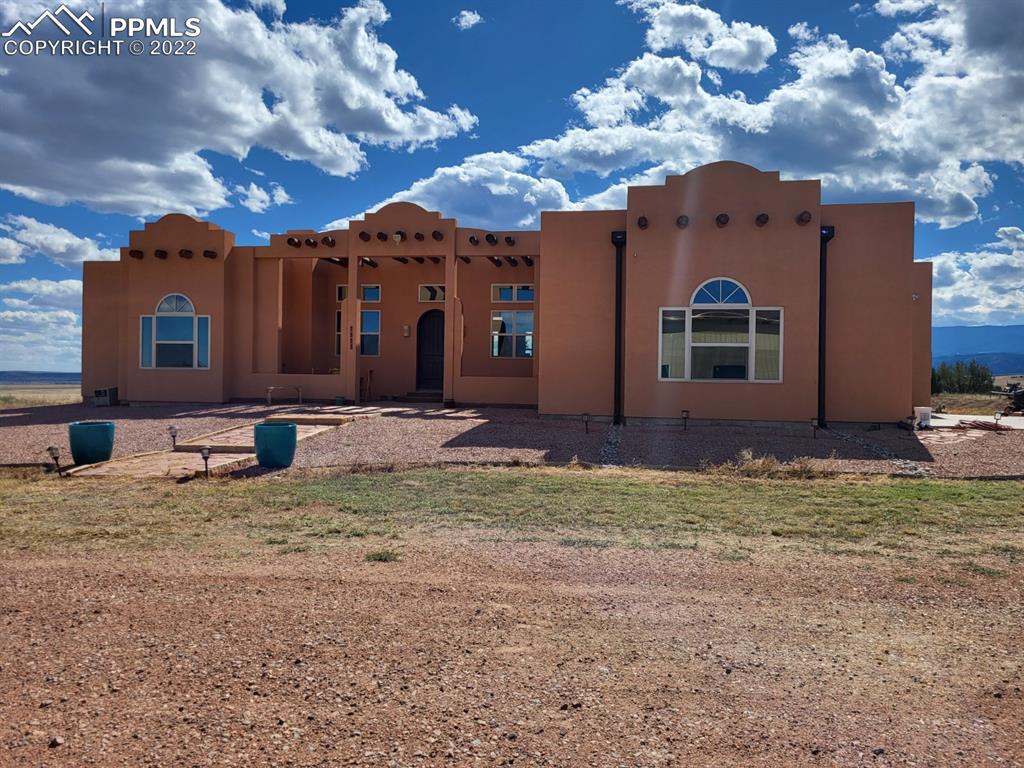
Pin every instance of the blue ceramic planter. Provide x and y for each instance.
(275, 444)
(91, 441)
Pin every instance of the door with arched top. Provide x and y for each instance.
(430, 350)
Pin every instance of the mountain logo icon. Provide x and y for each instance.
(70, 20)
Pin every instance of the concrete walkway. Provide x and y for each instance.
(230, 449)
(949, 420)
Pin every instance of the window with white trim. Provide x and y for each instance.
(369, 333)
(174, 336)
(508, 293)
(431, 293)
(370, 293)
(337, 333)
(341, 293)
(720, 337)
(512, 333)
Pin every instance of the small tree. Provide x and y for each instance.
(962, 378)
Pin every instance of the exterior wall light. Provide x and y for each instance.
(209, 254)
(294, 242)
(160, 254)
(804, 217)
(329, 241)
(419, 237)
(54, 452)
(135, 254)
(491, 239)
(509, 240)
(642, 222)
(722, 219)
(682, 221)
(437, 235)
(364, 236)
(399, 236)
(761, 220)
(382, 236)
(474, 240)
(311, 242)
(185, 253)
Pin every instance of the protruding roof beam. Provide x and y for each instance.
(528, 260)
(369, 262)
(464, 258)
(435, 259)
(419, 259)
(400, 259)
(494, 260)
(512, 261)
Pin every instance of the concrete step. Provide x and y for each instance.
(424, 396)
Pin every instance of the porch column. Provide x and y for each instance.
(452, 327)
(350, 335)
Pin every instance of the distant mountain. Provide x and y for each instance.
(39, 377)
(1001, 363)
(977, 339)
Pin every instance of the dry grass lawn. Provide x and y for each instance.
(970, 405)
(27, 395)
(556, 617)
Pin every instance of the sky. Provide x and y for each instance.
(299, 114)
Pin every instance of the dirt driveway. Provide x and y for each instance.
(479, 651)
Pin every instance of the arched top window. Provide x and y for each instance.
(174, 336)
(721, 290)
(175, 304)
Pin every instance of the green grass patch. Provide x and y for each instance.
(594, 508)
(383, 556)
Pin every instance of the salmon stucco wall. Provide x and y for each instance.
(777, 263)
(871, 312)
(146, 280)
(577, 302)
(101, 306)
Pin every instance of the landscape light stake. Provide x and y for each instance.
(814, 428)
(54, 452)
(685, 416)
(586, 422)
(997, 416)
(205, 453)
(173, 432)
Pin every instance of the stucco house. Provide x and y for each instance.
(725, 292)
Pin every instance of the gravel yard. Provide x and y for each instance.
(411, 436)
(26, 432)
(475, 652)
(404, 437)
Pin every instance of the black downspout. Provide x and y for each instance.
(827, 233)
(619, 241)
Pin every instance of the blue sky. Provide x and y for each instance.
(300, 114)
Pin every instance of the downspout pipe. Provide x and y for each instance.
(619, 241)
(827, 233)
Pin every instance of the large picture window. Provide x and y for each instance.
(512, 334)
(175, 336)
(720, 337)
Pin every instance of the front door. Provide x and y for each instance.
(430, 350)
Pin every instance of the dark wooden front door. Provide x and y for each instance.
(430, 350)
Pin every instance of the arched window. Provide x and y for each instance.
(721, 291)
(720, 336)
(175, 336)
(175, 304)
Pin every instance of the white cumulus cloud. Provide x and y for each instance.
(55, 243)
(315, 91)
(467, 19)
